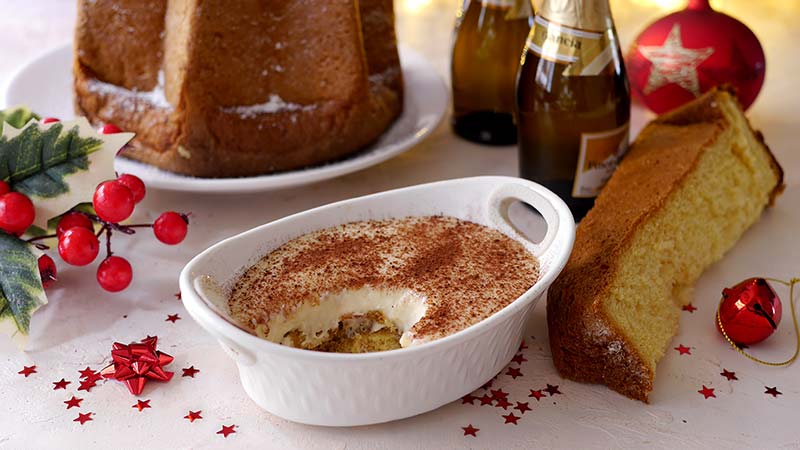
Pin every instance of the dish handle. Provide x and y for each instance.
(560, 223)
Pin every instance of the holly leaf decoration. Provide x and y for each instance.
(57, 165)
(17, 117)
(21, 291)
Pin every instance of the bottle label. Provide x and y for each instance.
(517, 9)
(599, 155)
(585, 53)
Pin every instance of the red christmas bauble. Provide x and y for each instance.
(686, 53)
(750, 311)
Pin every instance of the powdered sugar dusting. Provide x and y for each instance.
(275, 104)
(133, 98)
(383, 77)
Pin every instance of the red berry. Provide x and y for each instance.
(114, 274)
(170, 228)
(47, 120)
(16, 212)
(72, 220)
(109, 128)
(4, 188)
(113, 201)
(135, 184)
(78, 246)
(47, 271)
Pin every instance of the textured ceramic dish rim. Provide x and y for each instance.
(430, 91)
(243, 346)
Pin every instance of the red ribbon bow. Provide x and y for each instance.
(137, 362)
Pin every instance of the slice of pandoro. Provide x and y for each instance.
(695, 179)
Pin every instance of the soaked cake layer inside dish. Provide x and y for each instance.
(355, 333)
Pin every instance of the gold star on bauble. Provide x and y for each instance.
(674, 63)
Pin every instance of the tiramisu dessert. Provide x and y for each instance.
(381, 285)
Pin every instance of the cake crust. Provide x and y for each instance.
(586, 345)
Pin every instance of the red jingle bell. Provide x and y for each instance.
(686, 53)
(750, 311)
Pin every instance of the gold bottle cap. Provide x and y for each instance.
(590, 15)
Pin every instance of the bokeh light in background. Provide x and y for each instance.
(414, 6)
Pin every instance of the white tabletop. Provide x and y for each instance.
(78, 326)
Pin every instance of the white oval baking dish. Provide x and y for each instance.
(358, 389)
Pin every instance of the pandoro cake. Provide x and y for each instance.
(216, 88)
(695, 179)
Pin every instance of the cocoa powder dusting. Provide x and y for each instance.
(465, 271)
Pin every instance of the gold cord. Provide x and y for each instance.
(791, 284)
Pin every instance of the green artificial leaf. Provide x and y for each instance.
(21, 291)
(17, 117)
(57, 165)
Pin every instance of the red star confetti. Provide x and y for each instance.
(189, 372)
(511, 418)
(731, 376)
(502, 403)
(691, 308)
(469, 430)
(523, 345)
(683, 350)
(522, 407)
(707, 392)
(178, 296)
(193, 415)
(226, 430)
(74, 402)
(468, 399)
(27, 371)
(94, 378)
(136, 363)
(536, 394)
(87, 372)
(498, 394)
(552, 390)
(141, 404)
(60, 384)
(173, 318)
(514, 372)
(83, 418)
(87, 385)
(773, 391)
(488, 384)
(486, 400)
(518, 358)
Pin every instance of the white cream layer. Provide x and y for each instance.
(402, 307)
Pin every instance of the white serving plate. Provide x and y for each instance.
(358, 389)
(45, 85)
